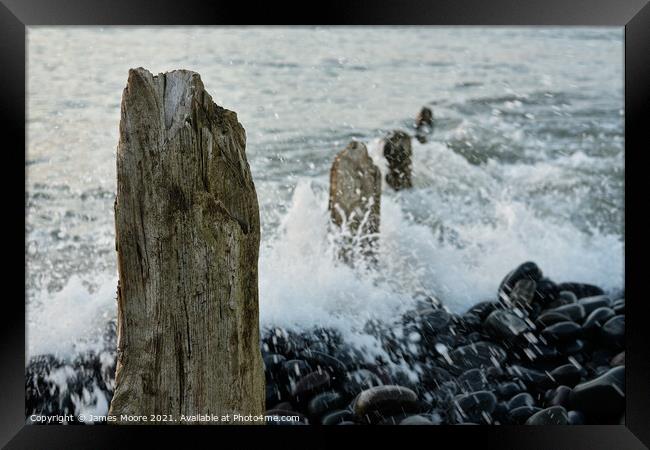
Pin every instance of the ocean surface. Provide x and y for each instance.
(526, 162)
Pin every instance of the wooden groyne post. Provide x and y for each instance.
(187, 236)
(354, 202)
(398, 153)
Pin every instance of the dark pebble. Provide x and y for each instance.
(360, 380)
(523, 399)
(319, 360)
(434, 321)
(575, 311)
(568, 375)
(474, 406)
(561, 331)
(555, 415)
(619, 306)
(416, 420)
(311, 384)
(576, 418)
(483, 309)
(548, 318)
(325, 402)
(473, 380)
(273, 394)
(526, 270)
(592, 303)
(597, 318)
(581, 290)
(272, 365)
(505, 324)
(520, 415)
(613, 331)
(546, 292)
(385, 400)
(618, 360)
(478, 354)
(508, 389)
(571, 347)
(601, 397)
(560, 396)
(523, 293)
(295, 368)
(530, 377)
(541, 353)
(352, 357)
(336, 417)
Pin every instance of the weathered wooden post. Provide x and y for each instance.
(424, 124)
(354, 202)
(398, 152)
(187, 236)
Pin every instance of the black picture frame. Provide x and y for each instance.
(16, 15)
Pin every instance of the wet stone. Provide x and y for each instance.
(539, 352)
(520, 415)
(350, 356)
(561, 331)
(509, 389)
(483, 309)
(530, 377)
(385, 400)
(602, 397)
(575, 311)
(434, 321)
(550, 318)
(555, 415)
(417, 420)
(592, 303)
(581, 290)
(310, 385)
(476, 355)
(272, 365)
(618, 360)
(360, 380)
(576, 418)
(336, 417)
(571, 347)
(568, 375)
(273, 394)
(324, 402)
(619, 306)
(473, 380)
(295, 368)
(474, 407)
(528, 270)
(560, 396)
(597, 318)
(523, 399)
(322, 361)
(613, 331)
(546, 292)
(505, 324)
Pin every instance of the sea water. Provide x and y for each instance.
(526, 162)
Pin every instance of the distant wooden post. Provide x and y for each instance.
(424, 124)
(398, 153)
(187, 235)
(354, 203)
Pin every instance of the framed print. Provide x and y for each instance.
(400, 219)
